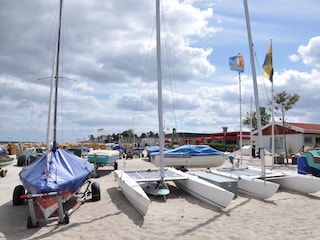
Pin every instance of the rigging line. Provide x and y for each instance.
(262, 79)
(169, 64)
(31, 133)
(244, 83)
(246, 86)
(73, 71)
(142, 76)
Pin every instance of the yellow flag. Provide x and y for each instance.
(267, 65)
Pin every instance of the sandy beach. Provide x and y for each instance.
(286, 215)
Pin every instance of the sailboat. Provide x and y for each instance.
(135, 185)
(259, 182)
(191, 156)
(5, 159)
(58, 175)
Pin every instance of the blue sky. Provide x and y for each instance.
(109, 64)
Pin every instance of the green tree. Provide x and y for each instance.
(265, 119)
(283, 102)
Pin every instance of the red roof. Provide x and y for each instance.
(306, 126)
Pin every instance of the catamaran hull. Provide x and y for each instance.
(190, 161)
(292, 181)
(257, 187)
(205, 191)
(133, 192)
(252, 186)
(298, 182)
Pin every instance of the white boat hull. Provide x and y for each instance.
(192, 161)
(205, 191)
(250, 185)
(298, 182)
(133, 192)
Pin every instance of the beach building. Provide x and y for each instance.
(298, 136)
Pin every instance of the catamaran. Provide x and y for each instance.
(58, 175)
(259, 182)
(135, 185)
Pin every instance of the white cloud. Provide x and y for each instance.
(113, 48)
(310, 53)
(294, 58)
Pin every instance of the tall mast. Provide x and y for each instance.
(159, 78)
(255, 86)
(56, 77)
(54, 86)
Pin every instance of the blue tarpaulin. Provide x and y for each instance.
(66, 172)
(192, 150)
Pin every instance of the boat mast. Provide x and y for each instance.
(159, 78)
(54, 85)
(56, 77)
(255, 86)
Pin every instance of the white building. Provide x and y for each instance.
(298, 136)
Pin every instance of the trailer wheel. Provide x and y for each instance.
(95, 191)
(29, 223)
(66, 217)
(115, 166)
(17, 193)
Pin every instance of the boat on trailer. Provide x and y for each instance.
(58, 175)
(135, 185)
(5, 159)
(101, 158)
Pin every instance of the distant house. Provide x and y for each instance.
(298, 136)
(227, 138)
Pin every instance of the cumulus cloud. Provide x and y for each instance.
(310, 53)
(294, 58)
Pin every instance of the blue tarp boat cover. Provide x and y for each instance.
(67, 172)
(192, 150)
(119, 147)
(137, 149)
(152, 149)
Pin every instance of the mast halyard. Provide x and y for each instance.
(255, 86)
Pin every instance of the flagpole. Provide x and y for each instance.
(237, 64)
(240, 109)
(251, 116)
(272, 129)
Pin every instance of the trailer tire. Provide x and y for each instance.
(95, 191)
(17, 193)
(115, 166)
(66, 217)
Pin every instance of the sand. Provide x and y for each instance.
(286, 215)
